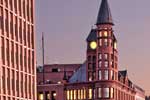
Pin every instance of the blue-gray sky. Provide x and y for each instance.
(67, 23)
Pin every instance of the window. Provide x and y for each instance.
(33, 60)
(111, 92)
(8, 80)
(16, 28)
(94, 75)
(106, 92)
(79, 95)
(84, 94)
(19, 4)
(89, 66)
(71, 95)
(31, 11)
(106, 64)
(32, 36)
(105, 33)
(115, 45)
(17, 56)
(99, 74)
(28, 10)
(75, 94)
(94, 58)
(21, 87)
(15, 5)
(112, 75)
(25, 59)
(99, 92)
(90, 93)
(55, 70)
(94, 66)
(1, 1)
(4, 80)
(3, 50)
(89, 58)
(68, 95)
(90, 76)
(53, 95)
(6, 3)
(12, 54)
(1, 18)
(106, 74)
(7, 52)
(11, 25)
(105, 42)
(29, 61)
(111, 63)
(10, 4)
(24, 9)
(28, 35)
(94, 93)
(13, 81)
(20, 30)
(100, 42)
(100, 34)
(6, 22)
(100, 56)
(115, 65)
(106, 56)
(41, 96)
(110, 42)
(112, 56)
(100, 64)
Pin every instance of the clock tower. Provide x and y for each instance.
(102, 54)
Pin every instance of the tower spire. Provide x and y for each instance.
(104, 15)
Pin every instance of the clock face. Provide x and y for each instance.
(93, 45)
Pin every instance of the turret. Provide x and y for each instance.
(102, 55)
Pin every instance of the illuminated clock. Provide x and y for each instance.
(93, 45)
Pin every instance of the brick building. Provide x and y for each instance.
(98, 78)
(17, 50)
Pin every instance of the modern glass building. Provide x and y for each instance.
(17, 50)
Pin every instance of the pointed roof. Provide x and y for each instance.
(92, 36)
(79, 75)
(104, 15)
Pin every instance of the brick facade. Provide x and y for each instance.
(98, 78)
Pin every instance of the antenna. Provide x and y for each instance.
(43, 56)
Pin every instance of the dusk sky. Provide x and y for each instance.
(67, 23)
